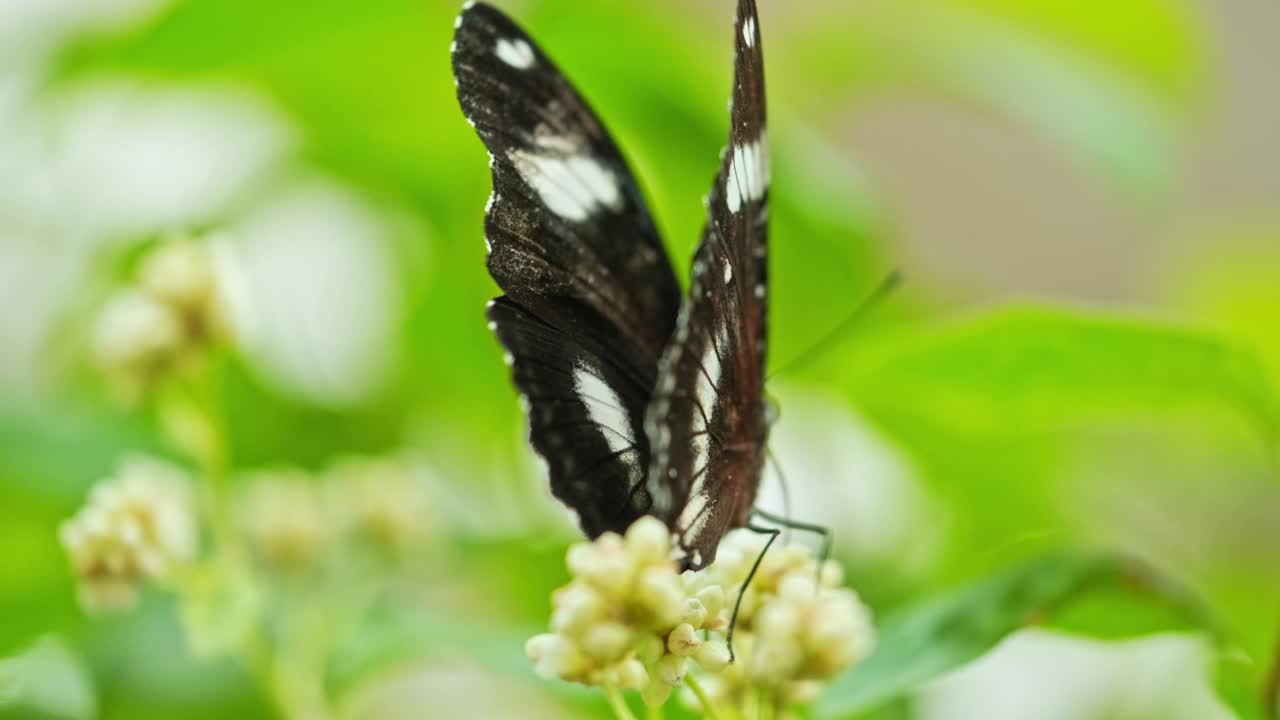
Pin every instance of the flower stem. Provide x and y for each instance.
(619, 705)
(653, 712)
(768, 711)
(753, 704)
(708, 707)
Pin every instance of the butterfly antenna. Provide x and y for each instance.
(824, 344)
(773, 534)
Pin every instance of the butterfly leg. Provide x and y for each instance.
(821, 531)
(773, 534)
(786, 522)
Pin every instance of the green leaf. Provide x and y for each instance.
(1154, 40)
(389, 639)
(921, 642)
(1112, 87)
(47, 681)
(1037, 367)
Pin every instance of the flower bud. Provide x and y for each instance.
(712, 599)
(660, 593)
(797, 587)
(712, 656)
(649, 649)
(137, 338)
(778, 620)
(604, 564)
(684, 640)
(382, 502)
(648, 540)
(671, 669)
(632, 675)
(695, 614)
(576, 607)
(136, 528)
(284, 519)
(180, 273)
(607, 641)
(554, 656)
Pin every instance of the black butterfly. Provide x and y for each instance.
(639, 403)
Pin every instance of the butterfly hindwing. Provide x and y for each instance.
(591, 298)
(566, 217)
(706, 420)
(585, 398)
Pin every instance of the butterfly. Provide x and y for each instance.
(638, 400)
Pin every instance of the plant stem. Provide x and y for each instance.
(1271, 691)
(768, 710)
(289, 674)
(653, 712)
(619, 705)
(218, 462)
(707, 706)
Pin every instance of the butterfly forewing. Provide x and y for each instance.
(591, 298)
(566, 217)
(706, 420)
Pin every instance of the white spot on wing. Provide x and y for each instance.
(728, 272)
(693, 516)
(706, 394)
(605, 409)
(748, 177)
(544, 137)
(516, 53)
(572, 187)
(749, 32)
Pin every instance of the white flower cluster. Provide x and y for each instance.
(629, 620)
(292, 518)
(381, 502)
(137, 527)
(796, 628)
(167, 319)
(283, 517)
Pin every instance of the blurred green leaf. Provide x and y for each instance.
(143, 670)
(390, 639)
(1026, 367)
(46, 681)
(921, 642)
(1155, 40)
(1111, 86)
(1228, 281)
(1237, 683)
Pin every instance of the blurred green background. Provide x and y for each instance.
(1084, 198)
